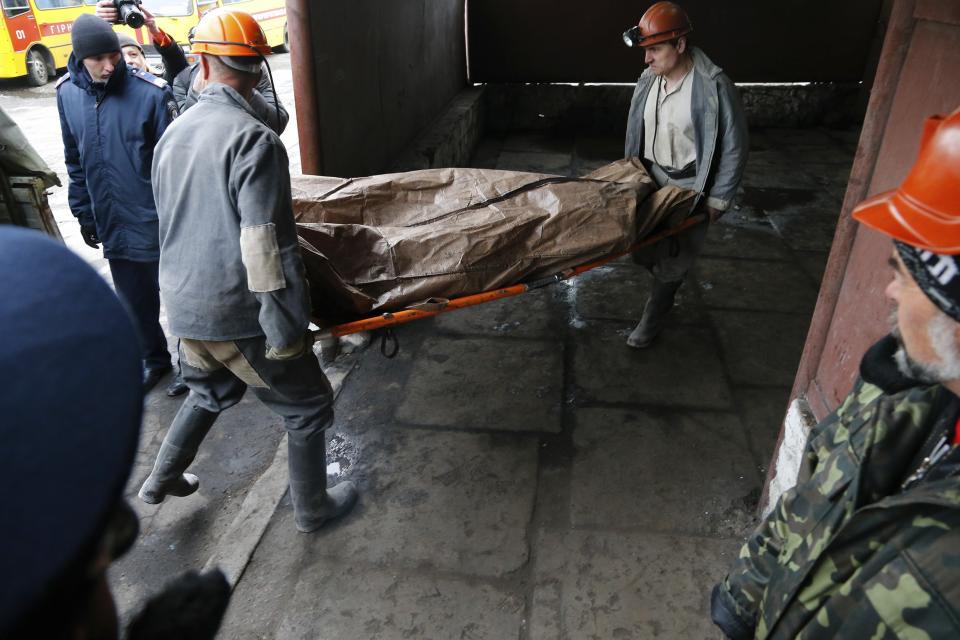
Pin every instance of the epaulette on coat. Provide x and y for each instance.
(65, 77)
(159, 83)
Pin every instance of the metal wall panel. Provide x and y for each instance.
(383, 71)
(753, 40)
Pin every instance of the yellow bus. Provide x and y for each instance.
(35, 37)
(177, 17)
(35, 34)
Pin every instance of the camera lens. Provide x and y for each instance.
(131, 15)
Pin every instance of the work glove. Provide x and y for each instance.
(89, 234)
(290, 352)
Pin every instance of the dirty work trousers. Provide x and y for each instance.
(218, 374)
(138, 285)
(670, 259)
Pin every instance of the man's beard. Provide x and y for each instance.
(941, 331)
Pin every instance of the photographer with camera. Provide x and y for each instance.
(111, 117)
(174, 60)
(186, 80)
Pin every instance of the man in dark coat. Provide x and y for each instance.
(111, 117)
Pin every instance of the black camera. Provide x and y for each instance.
(128, 12)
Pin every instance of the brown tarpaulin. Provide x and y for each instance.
(386, 242)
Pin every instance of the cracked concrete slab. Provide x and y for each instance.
(485, 383)
(807, 232)
(761, 348)
(681, 368)
(451, 501)
(745, 241)
(626, 585)
(814, 263)
(762, 285)
(532, 315)
(763, 411)
(346, 601)
(620, 290)
(673, 471)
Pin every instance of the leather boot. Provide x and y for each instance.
(179, 448)
(313, 503)
(177, 386)
(654, 313)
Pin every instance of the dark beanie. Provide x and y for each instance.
(127, 41)
(92, 36)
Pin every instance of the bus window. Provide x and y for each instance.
(13, 8)
(171, 7)
(58, 4)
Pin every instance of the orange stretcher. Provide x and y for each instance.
(435, 307)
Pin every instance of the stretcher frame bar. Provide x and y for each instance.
(404, 316)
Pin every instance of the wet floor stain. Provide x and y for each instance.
(775, 198)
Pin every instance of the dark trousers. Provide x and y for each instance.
(218, 374)
(138, 286)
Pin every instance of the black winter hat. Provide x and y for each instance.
(92, 36)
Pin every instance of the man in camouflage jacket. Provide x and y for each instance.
(867, 544)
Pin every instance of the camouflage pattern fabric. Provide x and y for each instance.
(847, 553)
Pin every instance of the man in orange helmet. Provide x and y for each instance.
(867, 544)
(231, 276)
(687, 125)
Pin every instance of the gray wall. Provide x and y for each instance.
(753, 40)
(384, 71)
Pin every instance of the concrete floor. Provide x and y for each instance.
(524, 474)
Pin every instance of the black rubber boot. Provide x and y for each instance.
(177, 386)
(313, 504)
(654, 313)
(179, 448)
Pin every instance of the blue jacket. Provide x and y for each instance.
(109, 133)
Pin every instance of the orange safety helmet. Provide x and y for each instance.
(924, 211)
(229, 32)
(662, 22)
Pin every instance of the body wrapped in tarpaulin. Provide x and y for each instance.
(382, 243)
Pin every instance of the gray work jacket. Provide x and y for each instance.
(719, 125)
(230, 264)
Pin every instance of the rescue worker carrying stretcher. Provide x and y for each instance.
(687, 126)
(231, 276)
